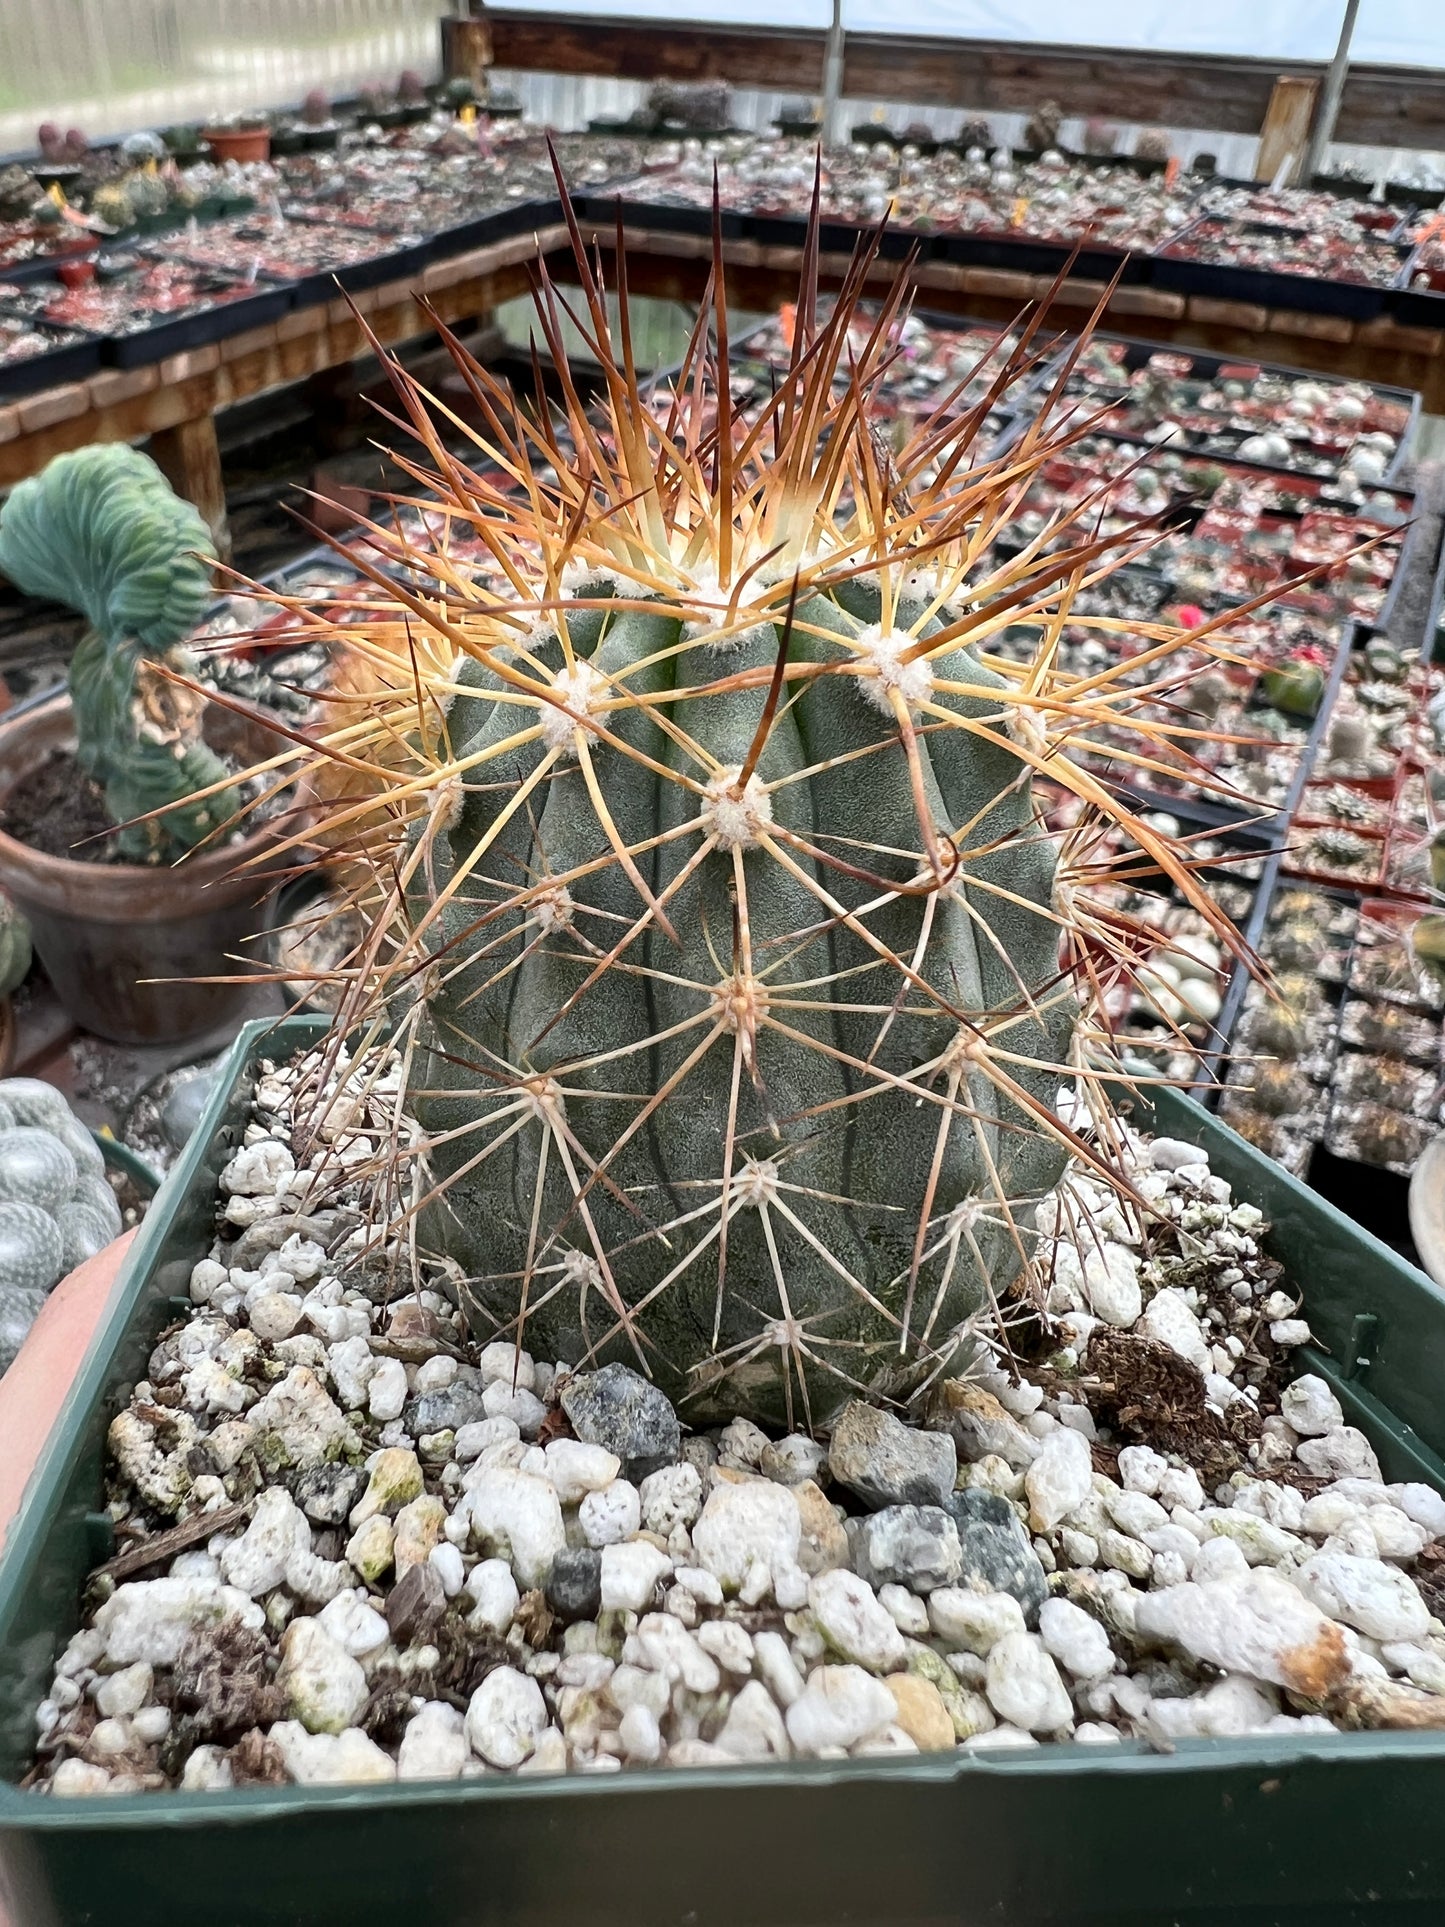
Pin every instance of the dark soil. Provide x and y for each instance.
(58, 812)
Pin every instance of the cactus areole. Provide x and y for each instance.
(734, 960)
(102, 530)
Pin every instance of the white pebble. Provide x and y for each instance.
(1310, 1406)
(671, 1497)
(494, 1594)
(1076, 1639)
(971, 1620)
(1024, 1687)
(1141, 1469)
(839, 1706)
(524, 1408)
(434, 1745)
(505, 1716)
(1059, 1480)
(386, 1389)
(447, 1562)
(576, 1468)
(746, 1525)
(847, 1613)
(1376, 1599)
(611, 1515)
(631, 1574)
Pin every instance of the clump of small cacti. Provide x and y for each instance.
(56, 1207)
(1042, 129)
(976, 132)
(734, 961)
(1152, 145)
(102, 530)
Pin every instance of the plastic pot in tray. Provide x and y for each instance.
(1285, 1831)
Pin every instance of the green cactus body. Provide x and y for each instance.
(838, 1171)
(15, 950)
(102, 530)
(734, 979)
(56, 1209)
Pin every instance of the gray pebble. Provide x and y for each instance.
(622, 1411)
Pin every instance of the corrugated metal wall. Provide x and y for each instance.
(108, 66)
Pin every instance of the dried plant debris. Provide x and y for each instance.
(434, 1558)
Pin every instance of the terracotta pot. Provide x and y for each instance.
(104, 930)
(239, 143)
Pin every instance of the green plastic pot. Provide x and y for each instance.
(1329, 1831)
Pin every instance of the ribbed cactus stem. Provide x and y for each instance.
(102, 530)
(719, 922)
(786, 1187)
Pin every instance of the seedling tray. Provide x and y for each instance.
(1207, 367)
(173, 334)
(1323, 1831)
(70, 360)
(1271, 288)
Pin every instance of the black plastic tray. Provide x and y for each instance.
(176, 333)
(670, 217)
(1266, 288)
(72, 362)
(1025, 256)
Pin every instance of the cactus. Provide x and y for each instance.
(112, 204)
(14, 947)
(101, 530)
(733, 965)
(56, 1208)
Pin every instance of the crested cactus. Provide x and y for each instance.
(736, 966)
(102, 530)
(56, 1208)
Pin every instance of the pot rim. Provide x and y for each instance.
(128, 892)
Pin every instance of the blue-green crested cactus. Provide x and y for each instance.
(102, 530)
(735, 963)
(56, 1207)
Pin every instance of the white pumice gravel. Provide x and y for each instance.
(1159, 1526)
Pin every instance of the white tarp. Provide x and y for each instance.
(1398, 32)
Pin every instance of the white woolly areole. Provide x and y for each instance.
(553, 909)
(583, 690)
(709, 598)
(736, 818)
(1025, 728)
(581, 1268)
(756, 1184)
(884, 653)
(444, 802)
(580, 576)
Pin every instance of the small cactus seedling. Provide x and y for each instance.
(735, 964)
(102, 530)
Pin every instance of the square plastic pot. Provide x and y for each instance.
(1328, 1831)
